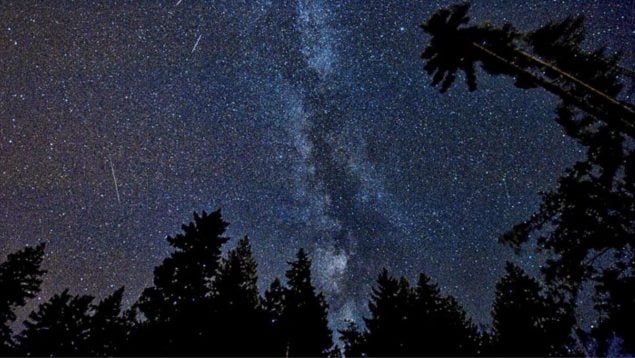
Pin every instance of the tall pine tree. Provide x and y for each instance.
(185, 278)
(245, 328)
(528, 321)
(438, 325)
(387, 325)
(409, 321)
(109, 327)
(303, 322)
(177, 312)
(20, 280)
(58, 327)
(586, 224)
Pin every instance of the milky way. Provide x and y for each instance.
(310, 123)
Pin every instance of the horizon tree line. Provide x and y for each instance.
(203, 303)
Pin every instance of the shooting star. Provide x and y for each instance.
(178, 2)
(197, 41)
(114, 178)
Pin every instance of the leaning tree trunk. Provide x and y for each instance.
(623, 114)
(601, 95)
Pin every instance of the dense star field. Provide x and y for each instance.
(310, 123)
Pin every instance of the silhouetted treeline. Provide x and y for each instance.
(205, 303)
(201, 304)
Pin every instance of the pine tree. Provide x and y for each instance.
(176, 313)
(409, 321)
(304, 322)
(438, 325)
(59, 327)
(245, 328)
(587, 224)
(237, 286)
(20, 280)
(274, 300)
(108, 326)
(387, 325)
(527, 322)
(185, 278)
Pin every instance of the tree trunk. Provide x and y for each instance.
(612, 101)
(620, 122)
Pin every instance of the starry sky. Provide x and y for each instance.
(311, 124)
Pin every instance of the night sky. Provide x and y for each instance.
(310, 123)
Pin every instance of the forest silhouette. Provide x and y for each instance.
(206, 303)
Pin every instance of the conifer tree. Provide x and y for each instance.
(185, 278)
(273, 305)
(387, 325)
(58, 327)
(20, 280)
(246, 330)
(438, 325)
(109, 328)
(586, 224)
(527, 321)
(304, 322)
(274, 300)
(409, 321)
(177, 312)
(236, 285)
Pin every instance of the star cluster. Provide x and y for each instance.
(310, 123)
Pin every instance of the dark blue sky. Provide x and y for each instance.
(310, 123)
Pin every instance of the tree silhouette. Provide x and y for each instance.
(58, 327)
(108, 327)
(177, 312)
(303, 321)
(20, 280)
(439, 325)
(185, 278)
(527, 321)
(237, 281)
(455, 46)
(386, 327)
(69, 325)
(588, 223)
(237, 302)
(409, 321)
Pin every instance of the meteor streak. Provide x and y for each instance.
(197, 41)
(114, 178)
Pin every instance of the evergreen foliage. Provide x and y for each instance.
(406, 321)
(303, 320)
(587, 224)
(527, 321)
(69, 325)
(20, 280)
